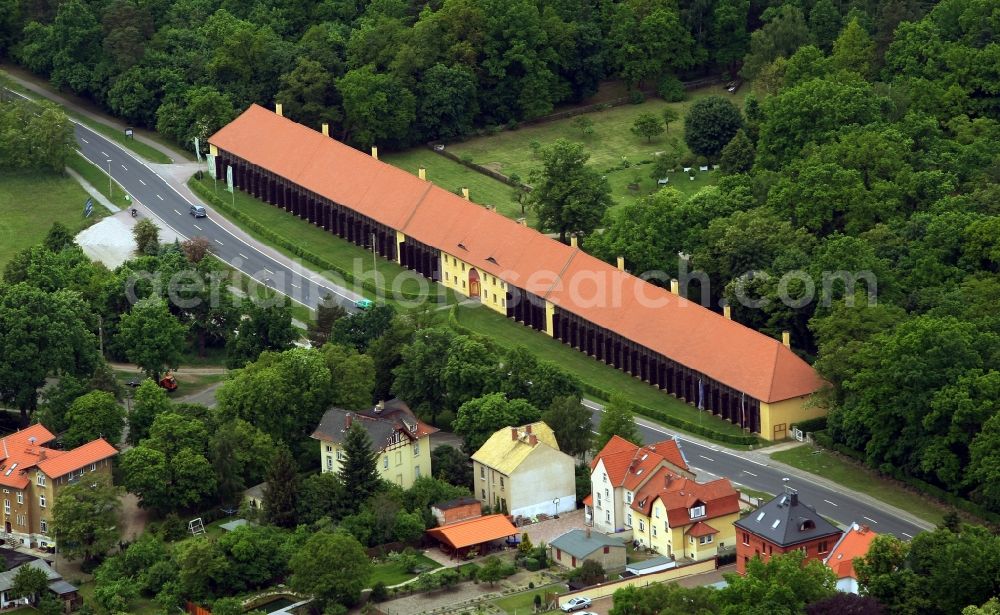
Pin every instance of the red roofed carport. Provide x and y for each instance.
(464, 536)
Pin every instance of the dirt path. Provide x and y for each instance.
(83, 107)
(204, 371)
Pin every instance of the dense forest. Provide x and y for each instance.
(399, 72)
(871, 144)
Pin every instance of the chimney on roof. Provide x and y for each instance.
(621, 263)
(513, 433)
(422, 173)
(380, 406)
(522, 221)
(326, 129)
(572, 241)
(786, 339)
(727, 311)
(465, 193)
(675, 286)
(348, 420)
(532, 439)
(277, 109)
(793, 499)
(375, 152)
(527, 428)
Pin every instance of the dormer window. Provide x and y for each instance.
(808, 524)
(697, 511)
(492, 260)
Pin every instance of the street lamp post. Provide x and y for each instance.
(109, 178)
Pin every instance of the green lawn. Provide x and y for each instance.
(858, 478)
(98, 178)
(524, 602)
(506, 332)
(323, 244)
(391, 573)
(612, 142)
(453, 176)
(31, 202)
(140, 606)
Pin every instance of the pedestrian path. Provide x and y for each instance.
(93, 192)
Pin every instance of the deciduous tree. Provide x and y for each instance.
(152, 337)
(88, 518)
(571, 422)
(568, 196)
(710, 124)
(333, 567)
(94, 415)
(647, 125)
(616, 420)
(479, 418)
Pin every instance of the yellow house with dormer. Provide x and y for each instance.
(401, 440)
(685, 519)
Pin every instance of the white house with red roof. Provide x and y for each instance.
(853, 544)
(619, 471)
(32, 475)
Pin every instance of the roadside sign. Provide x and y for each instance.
(229, 178)
(197, 149)
(128, 132)
(88, 208)
(127, 198)
(210, 160)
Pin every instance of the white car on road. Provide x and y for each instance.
(575, 604)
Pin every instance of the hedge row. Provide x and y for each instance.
(296, 249)
(824, 440)
(811, 425)
(667, 419)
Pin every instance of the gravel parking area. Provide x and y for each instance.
(110, 240)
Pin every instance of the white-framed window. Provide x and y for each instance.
(399, 457)
(654, 531)
(697, 511)
(41, 501)
(20, 497)
(416, 448)
(628, 497)
(340, 455)
(93, 467)
(43, 525)
(329, 463)
(39, 479)
(416, 472)
(329, 448)
(484, 493)
(605, 477)
(501, 482)
(606, 492)
(642, 525)
(607, 516)
(704, 540)
(629, 519)
(6, 507)
(482, 472)
(385, 462)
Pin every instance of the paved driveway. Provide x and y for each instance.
(548, 530)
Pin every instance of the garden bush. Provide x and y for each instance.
(671, 89)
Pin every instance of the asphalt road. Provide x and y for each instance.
(711, 462)
(147, 188)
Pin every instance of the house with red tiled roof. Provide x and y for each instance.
(32, 475)
(401, 440)
(619, 471)
(682, 518)
(852, 545)
(652, 333)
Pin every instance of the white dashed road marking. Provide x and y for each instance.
(704, 457)
(750, 473)
(142, 182)
(85, 141)
(105, 154)
(268, 270)
(872, 520)
(159, 197)
(905, 534)
(831, 503)
(218, 242)
(177, 212)
(197, 227)
(125, 167)
(243, 256)
(295, 286)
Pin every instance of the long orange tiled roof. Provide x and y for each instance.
(474, 531)
(681, 330)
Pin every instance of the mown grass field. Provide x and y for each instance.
(392, 573)
(612, 141)
(508, 333)
(856, 477)
(31, 201)
(524, 602)
(453, 176)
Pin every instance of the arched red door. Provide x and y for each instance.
(474, 290)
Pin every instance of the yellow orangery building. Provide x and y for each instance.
(654, 334)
